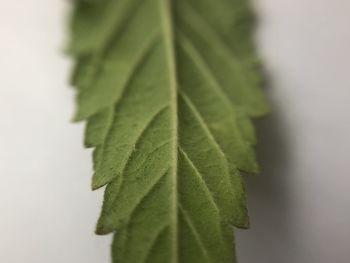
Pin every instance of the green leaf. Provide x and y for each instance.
(168, 90)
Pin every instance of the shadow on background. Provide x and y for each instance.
(270, 238)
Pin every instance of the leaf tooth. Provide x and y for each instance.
(251, 98)
(103, 176)
(243, 157)
(106, 94)
(97, 127)
(108, 223)
(105, 21)
(227, 196)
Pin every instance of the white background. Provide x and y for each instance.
(300, 204)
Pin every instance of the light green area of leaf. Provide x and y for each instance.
(168, 90)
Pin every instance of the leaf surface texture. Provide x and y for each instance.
(168, 90)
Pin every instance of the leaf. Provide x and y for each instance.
(168, 90)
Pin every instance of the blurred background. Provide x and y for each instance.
(299, 205)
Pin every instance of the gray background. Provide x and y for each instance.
(300, 205)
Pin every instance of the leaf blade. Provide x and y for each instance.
(168, 97)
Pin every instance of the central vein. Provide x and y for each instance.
(167, 24)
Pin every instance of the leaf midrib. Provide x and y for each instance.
(168, 31)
